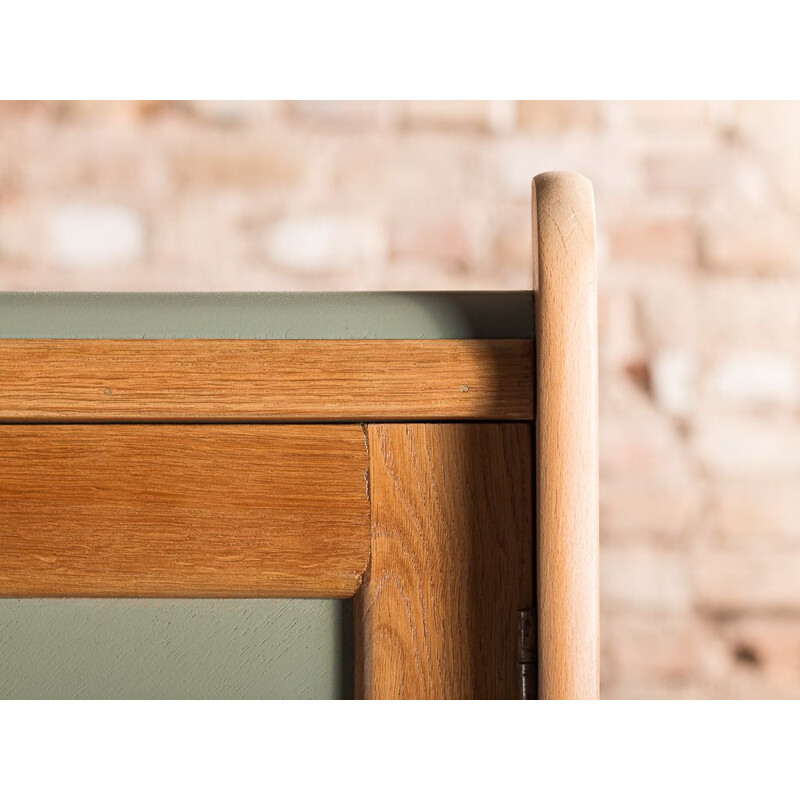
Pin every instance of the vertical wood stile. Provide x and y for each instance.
(566, 423)
(437, 615)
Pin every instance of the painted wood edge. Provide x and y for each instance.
(266, 315)
(566, 432)
(176, 649)
(265, 381)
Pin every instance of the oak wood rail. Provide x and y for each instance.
(182, 510)
(246, 380)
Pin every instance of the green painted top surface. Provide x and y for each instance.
(256, 315)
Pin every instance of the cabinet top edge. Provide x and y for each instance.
(266, 315)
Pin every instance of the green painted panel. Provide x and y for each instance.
(175, 649)
(334, 315)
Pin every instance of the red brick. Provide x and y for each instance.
(655, 242)
(325, 243)
(749, 313)
(547, 116)
(673, 380)
(761, 514)
(753, 380)
(690, 172)
(620, 338)
(448, 114)
(647, 648)
(645, 449)
(634, 510)
(224, 158)
(674, 115)
(438, 237)
(644, 579)
(768, 244)
(717, 315)
(750, 657)
(745, 581)
(230, 112)
(769, 647)
(513, 245)
(747, 446)
(346, 113)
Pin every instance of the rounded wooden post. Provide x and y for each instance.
(566, 420)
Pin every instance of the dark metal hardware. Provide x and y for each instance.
(527, 654)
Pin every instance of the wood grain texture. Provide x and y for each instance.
(566, 437)
(436, 617)
(182, 510)
(60, 380)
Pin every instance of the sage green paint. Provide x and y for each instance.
(175, 649)
(80, 648)
(312, 315)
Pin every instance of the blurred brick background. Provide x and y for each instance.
(699, 225)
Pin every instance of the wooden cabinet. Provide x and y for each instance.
(153, 446)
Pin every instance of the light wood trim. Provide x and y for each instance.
(450, 567)
(60, 380)
(182, 510)
(566, 437)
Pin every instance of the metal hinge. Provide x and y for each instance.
(526, 654)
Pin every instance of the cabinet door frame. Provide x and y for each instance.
(455, 493)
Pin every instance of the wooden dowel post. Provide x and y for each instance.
(566, 423)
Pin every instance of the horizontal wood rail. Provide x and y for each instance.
(183, 510)
(245, 380)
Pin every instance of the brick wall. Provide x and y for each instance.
(699, 221)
